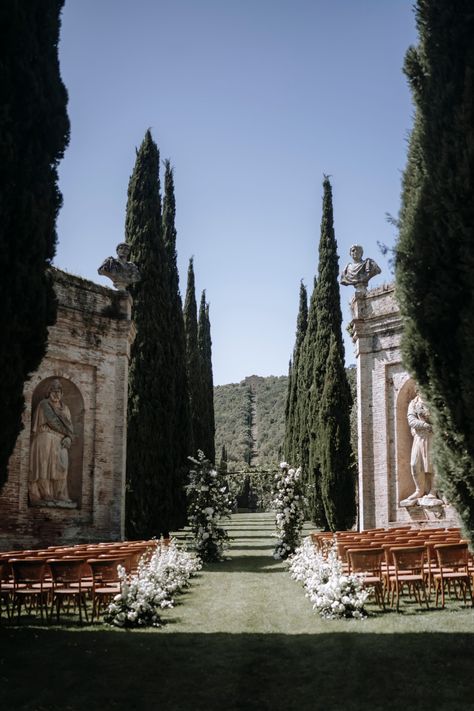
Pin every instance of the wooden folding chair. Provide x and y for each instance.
(67, 574)
(453, 568)
(28, 584)
(369, 562)
(409, 571)
(105, 581)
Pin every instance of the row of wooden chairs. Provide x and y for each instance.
(54, 579)
(393, 561)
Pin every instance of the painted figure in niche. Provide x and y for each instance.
(52, 433)
(122, 272)
(359, 271)
(421, 461)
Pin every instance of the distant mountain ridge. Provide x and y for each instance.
(250, 421)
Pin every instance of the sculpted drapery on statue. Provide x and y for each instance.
(52, 433)
(358, 272)
(421, 460)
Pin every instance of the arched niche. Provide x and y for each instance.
(73, 399)
(405, 485)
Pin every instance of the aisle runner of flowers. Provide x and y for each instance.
(158, 579)
(333, 593)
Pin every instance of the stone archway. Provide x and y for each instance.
(75, 402)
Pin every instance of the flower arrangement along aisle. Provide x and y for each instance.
(159, 577)
(288, 504)
(209, 502)
(333, 593)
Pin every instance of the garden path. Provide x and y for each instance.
(249, 592)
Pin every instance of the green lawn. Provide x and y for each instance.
(244, 637)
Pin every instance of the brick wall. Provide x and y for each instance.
(88, 350)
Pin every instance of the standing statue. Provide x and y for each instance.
(122, 272)
(421, 462)
(52, 434)
(358, 272)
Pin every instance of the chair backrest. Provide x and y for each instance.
(409, 558)
(27, 570)
(452, 555)
(105, 570)
(366, 560)
(66, 570)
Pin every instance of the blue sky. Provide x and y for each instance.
(253, 101)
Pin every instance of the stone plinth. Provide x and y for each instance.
(384, 390)
(88, 351)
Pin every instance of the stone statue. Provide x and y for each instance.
(421, 462)
(122, 272)
(358, 272)
(52, 434)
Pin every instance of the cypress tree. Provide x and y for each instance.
(35, 132)
(289, 423)
(305, 382)
(292, 425)
(335, 453)
(193, 360)
(207, 384)
(150, 480)
(181, 442)
(329, 326)
(435, 253)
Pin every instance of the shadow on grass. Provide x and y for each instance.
(52, 670)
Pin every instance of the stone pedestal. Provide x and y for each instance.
(88, 351)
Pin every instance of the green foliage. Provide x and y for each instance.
(335, 451)
(180, 429)
(292, 413)
(208, 427)
(256, 405)
(322, 448)
(154, 479)
(34, 131)
(193, 359)
(435, 255)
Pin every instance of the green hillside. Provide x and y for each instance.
(250, 421)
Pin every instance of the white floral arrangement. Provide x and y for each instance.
(334, 594)
(158, 579)
(288, 504)
(209, 503)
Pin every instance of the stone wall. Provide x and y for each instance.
(384, 390)
(88, 352)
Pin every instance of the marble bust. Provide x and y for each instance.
(358, 272)
(121, 272)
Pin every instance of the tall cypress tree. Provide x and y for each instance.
(207, 384)
(435, 251)
(193, 360)
(335, 453)
(329, 327)
(150, 460)
(292, 426)
(181, 440)
(35, 132)
(305, 381)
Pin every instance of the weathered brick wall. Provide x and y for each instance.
(384, 389)
(88, 350)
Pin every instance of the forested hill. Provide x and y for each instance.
(250, 421)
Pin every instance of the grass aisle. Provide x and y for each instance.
(244, 637)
